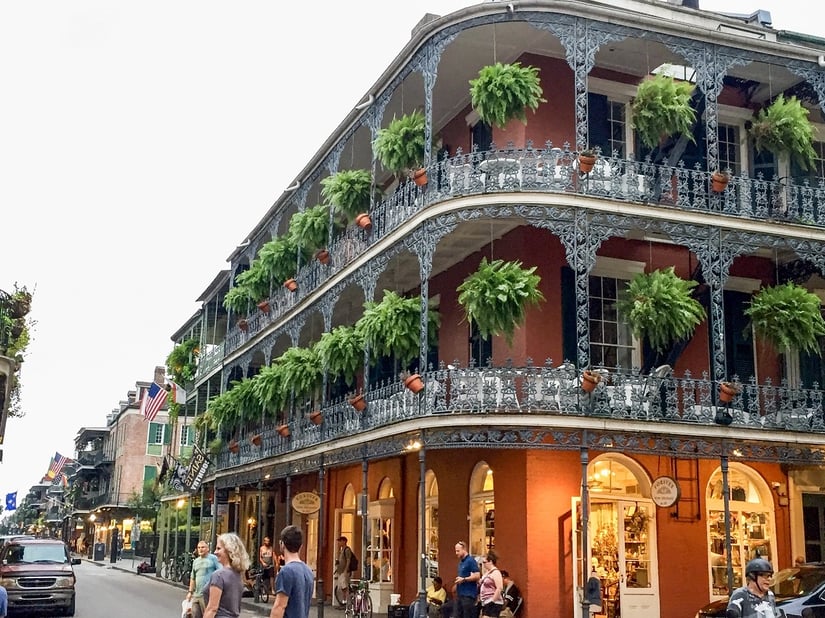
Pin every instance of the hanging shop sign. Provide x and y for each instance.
(306, 502)
(665, 491)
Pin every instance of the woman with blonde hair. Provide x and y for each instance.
(225, 589)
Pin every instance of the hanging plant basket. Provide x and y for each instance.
(661, 108)
(256, 439)
(787, 316)
(358, 402)
(291, 285)
(503, 92)
(234, 447)
(414, 383)
(283, 429)
(590, 380)
(317, 417)
(264, 306)
(419, 177)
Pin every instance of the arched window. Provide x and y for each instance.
(751, 525)
(431, 523)
(381, 521)
(346, 515)
(482, 510)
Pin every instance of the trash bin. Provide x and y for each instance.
(100, 551)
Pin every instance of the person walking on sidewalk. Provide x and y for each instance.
(466, 584)
(293, 586)
(225, 589)
(342, 572)
(202, 568)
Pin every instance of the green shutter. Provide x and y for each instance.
(569, 343)
(167, 434)
(153, 431)
(150, 473)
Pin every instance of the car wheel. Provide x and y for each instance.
(70, 608)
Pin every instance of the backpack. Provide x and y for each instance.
(353, 562)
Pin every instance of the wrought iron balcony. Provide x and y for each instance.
(545, 392)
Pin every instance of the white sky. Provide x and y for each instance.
(139, 143)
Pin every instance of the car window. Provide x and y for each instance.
(30, 554)
(789, 583)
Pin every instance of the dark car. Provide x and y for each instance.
(38, 575)
(799, 590)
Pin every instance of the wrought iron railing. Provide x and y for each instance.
(546, 391)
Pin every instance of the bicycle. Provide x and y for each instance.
(359, 602)
(260, 589)
(183, 568)
(167, 567)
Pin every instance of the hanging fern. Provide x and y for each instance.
(182, 361)
(788, 316)
(783, 127)
(400, 145)
(659, 307)
(342, 352)
(502, 92)
(300, 372)
(661, 108)
(278, 258)
(497, 295)
(239, 299)
(309, 229)
(348, 192)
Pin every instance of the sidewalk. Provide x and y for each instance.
(126, 565)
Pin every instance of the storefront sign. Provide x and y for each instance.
(306, 502)
(665, 491)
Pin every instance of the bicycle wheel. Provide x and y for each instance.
(263, 593)
(365, 611)
(339, 597)
(164, 569)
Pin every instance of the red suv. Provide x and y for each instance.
(38, 575)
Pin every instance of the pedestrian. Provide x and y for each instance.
(293, 586)
(755, 599)
(491, 586)
(4, 602)
(436, 597)
(266, 560)
(225, 589)
(203, 566)
(512, 596)
(466, 583)
(342, 572)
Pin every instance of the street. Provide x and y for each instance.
(105, 592)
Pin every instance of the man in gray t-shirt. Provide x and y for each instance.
(293, 586)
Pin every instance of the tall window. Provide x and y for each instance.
(381, 521)
(482, 510)
(618, 126)
(729, 148)
(611, 341)
(751, 525)
(431, 523)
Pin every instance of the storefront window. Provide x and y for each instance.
(431, 523)
(381, 516)
(482, 510)
(751, 525)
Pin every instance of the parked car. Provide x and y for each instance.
(799, 590)
(38, 575)
(12, 537)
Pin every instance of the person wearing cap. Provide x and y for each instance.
(755, 599)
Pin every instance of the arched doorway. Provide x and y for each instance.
(482, 510)
(621, 539)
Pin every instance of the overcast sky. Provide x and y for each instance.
(139, 143)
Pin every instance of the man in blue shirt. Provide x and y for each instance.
(466, 584)
(293, 585)
(4, 602)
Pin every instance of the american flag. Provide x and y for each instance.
(152, 402)
(58, 461)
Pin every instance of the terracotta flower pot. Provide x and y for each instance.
(420, 177)
(256, 439)
(322, 255)
(243, 324)
(316, 417)
(291, 285)
(283, 429)
(414, 383)
(234, 447)
(264, 306)
(718, 182)
(590, 380)
(364, 221)
(727, 392)
(586, 163)
(359, 403)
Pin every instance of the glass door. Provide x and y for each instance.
(637, 577)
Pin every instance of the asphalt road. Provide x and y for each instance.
(105, 592)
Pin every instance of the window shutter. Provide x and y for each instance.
(153, 432)
(569, 344)
(598, 126)
(167, 434)
(150, 473)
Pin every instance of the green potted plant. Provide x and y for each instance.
(782, 128)
(238, 300)
(661, 108)
(659, 308)
(497, 295)
(503, 92)
(300, 372)
(399, 146)
(182, 361)
(391, 327)
(14, 328)
(278, 258)
(787, 316)
(342, 352)
(309, 231)
(348, 193)
(269, 389)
